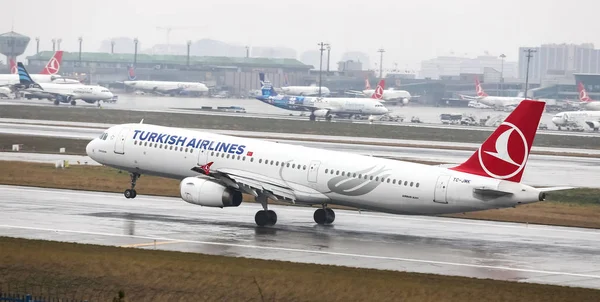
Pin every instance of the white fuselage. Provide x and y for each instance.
(167, 86)
(315, 176)
(88, 93)
(590, 106)
(13, 79)
(348, 105)
(500, 101)
(573, 118)
(305, 90)
(390, 94)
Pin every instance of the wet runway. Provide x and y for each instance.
(503, 251)
(541, 170)
(430, 116)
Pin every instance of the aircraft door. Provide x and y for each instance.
(313, 170)
(202, 157)
(441, 188)
(120, 142)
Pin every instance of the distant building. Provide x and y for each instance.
(349, 65)
(448, 66)
(357, 56)
(313, 57)
(558, 62)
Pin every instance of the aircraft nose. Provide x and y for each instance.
(557, 120)
(90, 149)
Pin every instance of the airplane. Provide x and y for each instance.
(215, 170)
(48, 75)
(312, 90)
(585, 101)
(389, 95)
(570, 119)
(494, 101)
(319, 106)
(164, 87)
(63, 93)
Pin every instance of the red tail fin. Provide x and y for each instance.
(13, 66)
(583, 96)
(504, 154)
(378, 93)
(367, 84)
(53, 65)
(479, 89)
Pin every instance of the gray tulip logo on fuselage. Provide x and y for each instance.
(361, 184)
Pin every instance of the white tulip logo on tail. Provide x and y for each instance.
(378, 93)
(509, 154)
(583, 96)
(53, 66)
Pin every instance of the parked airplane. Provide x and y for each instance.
(216, 169)
(390, 95)
(164, 87)
(312, 90)
(48, 75)
(319, 107)
(63, 93)
(585, 101)
(573, 119)
(494, 101)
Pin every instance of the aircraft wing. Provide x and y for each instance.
(354, 92)
(250, 183)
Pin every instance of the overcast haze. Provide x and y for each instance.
(410, 31)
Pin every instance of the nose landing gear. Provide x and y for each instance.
(131, 193)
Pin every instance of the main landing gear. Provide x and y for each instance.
(324, 215)
(266, 216)
(131, 193)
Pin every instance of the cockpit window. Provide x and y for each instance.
(103, 136)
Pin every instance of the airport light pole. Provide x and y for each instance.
(381, 51)
(322, 48)
(529, 52)
(58, 43)
(502, 57)
(112, 46)
(135, 43)
(53, 44)
(247, 51)
(37, 45)
(328, 54)
(80, 43)
(189, 44)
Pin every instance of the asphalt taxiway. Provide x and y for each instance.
(481, 249)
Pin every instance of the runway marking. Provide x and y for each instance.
(150, 243)
(460, 221)
(283, 249)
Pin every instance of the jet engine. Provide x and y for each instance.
(405, 101)
(593, 124)
(205, 192)
(321, 113)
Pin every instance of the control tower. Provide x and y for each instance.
(13, 44)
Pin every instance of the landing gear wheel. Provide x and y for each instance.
(312, 117)
(130, 193)
(73, 103)
(324, 216)
(328, 117)
(263, 218)
(56, 102)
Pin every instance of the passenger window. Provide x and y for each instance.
(260, 161)
(417, 185)
(277, 163)
(359, 175)
(304, 167)
(145, 143)
(405, 182)
(354, 175)
(135, 142)
(377, 178)
(394, 181)
(388, 180)
(326, 170)
(222, 155)
(271, 162)
(212, 153)
(171, 148)
(251, 159)
(343, 173)
(227, 155)
(186, 149)
(371, 177)
(244, 158)
(337, 172)
(288, 165)
(240, 157)
(293, 166)
(411, 183)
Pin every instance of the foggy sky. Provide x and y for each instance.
(409, 31)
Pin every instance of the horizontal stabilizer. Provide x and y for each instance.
(490, 192)
(550, 189)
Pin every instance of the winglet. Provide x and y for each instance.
(142, 121)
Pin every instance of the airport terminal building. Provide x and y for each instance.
(238, 75)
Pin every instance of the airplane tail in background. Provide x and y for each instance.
(378, 93)
(583, 96)
(265, 86)
(479, 89)
(367, 84)
(131, 73)
(25, 79)
(13, 66)
(285, 81)
(53, 65)
(504, 154)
